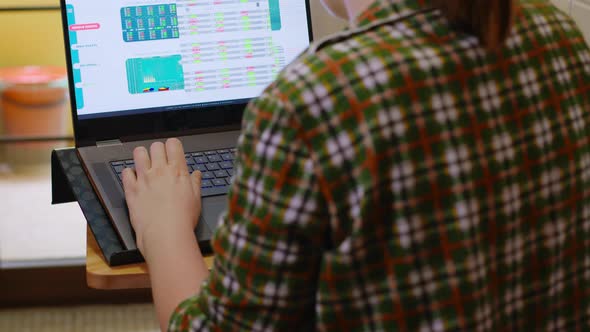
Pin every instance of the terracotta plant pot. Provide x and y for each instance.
(34, 103)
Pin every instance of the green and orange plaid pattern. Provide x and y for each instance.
(399, 177)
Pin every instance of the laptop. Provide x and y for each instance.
(141, 71)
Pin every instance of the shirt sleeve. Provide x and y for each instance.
(269, 243)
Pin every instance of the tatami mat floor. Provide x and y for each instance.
(125, 318)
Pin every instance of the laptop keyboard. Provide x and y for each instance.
(216, 166)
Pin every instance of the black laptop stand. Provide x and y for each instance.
(70, 184)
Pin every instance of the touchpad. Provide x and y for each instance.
(213, 207)
(106, 182)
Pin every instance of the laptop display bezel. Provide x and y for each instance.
(154, 124)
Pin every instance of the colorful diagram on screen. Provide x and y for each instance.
(146, 23)
(157, 74)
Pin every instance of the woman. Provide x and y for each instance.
(427, 169)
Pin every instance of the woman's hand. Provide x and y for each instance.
(164, 206)
(164, 201)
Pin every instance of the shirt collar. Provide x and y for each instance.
(384, 9)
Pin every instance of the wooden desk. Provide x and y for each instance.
(100, 275)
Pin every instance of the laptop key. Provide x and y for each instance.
(199, 167)
(214, 159)
(212, 167)
(230, 171)
(198, 154)
(219, 182)
(210, 153)
(206, 184)
(223, 151)
(226, 165)
(201, 160)
(227, 156)
(117, 163)
(207, 176)
(221, 174)
(190, 161)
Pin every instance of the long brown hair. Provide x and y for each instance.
(489, 20)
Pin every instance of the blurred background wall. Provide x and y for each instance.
(30, 37)
(323, 23)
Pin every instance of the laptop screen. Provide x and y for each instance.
(141, 56)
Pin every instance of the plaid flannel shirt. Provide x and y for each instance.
(399, 177)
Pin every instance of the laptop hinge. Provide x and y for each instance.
(109, 143)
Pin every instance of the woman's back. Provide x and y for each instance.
(463, 186)
(421, 182)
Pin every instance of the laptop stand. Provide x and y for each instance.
(70, 184)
